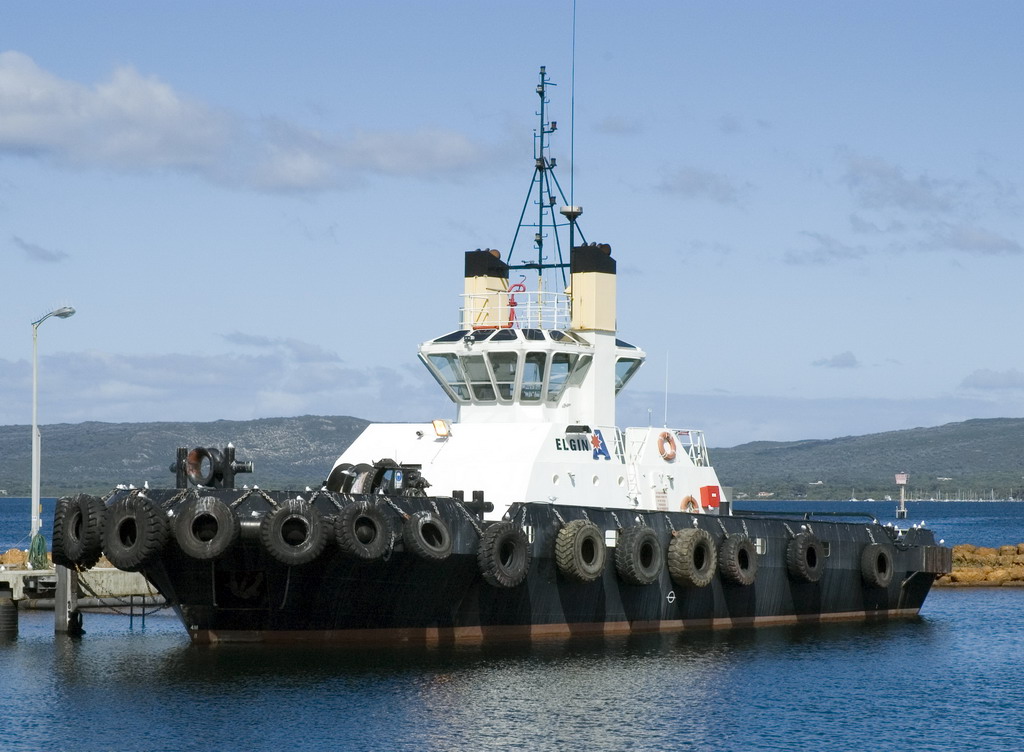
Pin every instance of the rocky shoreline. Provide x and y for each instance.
(978, 566)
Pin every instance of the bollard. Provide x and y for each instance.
(66, 616)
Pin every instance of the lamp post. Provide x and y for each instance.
(61, 313)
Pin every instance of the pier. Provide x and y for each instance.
(68, 593)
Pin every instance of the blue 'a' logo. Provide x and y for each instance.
(600, 448)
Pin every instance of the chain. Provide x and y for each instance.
(269, 499)
(182, 494)
(87, 588)
(334, 500)
(471, 518)
(394, 506)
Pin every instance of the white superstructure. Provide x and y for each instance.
(535, 375)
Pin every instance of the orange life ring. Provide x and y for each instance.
(667, 446)
(689, 504)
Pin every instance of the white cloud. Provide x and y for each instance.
(423, 153)
(287, 378)
(696, 183)
(971, 239)
(38, 253)
(128, 122)
(987, 380)
(617, 125)
(825, 250)
(299, 351)
(899, 213)
(842, 360)
(877, 184)
(137, 123)
(729, 124)
(864, 226)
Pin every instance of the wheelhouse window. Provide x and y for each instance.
(624, 370)
(579, 371)
(478, 377)
(452, 336)
(504, 366)
(448, 372)
(512, 375)
(533, 377)
(561, 366)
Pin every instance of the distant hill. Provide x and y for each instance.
(979, 457)
(94, 457)
(975, 458)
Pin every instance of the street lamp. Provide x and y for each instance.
(35, 547)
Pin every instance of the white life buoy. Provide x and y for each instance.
(667, 446)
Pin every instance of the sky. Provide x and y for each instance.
(260, 209)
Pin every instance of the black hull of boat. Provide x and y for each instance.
(245, 594)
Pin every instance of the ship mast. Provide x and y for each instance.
(544, 192)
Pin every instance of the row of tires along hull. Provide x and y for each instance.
(133, 532)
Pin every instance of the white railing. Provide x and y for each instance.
(692, 442)
(520, 310)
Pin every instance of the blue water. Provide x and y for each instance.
(983, 523)
(16, 521)
(950, 679)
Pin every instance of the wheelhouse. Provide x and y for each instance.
(526, 366)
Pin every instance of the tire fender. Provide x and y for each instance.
(427, 536)
(363, 532)
(206, 528)
(504, 555)
(294, 533)
(692, 558)
(135, 532)
(805, 558)
(638, 555)
(580, 551)
(876, 565)
(737, 560)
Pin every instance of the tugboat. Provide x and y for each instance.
(531, 514)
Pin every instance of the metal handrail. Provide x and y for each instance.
(519, 310)
(805, 515)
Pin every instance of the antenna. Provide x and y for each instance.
(665, 425)
(544, 187)
(572, 212)
(572, 118)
